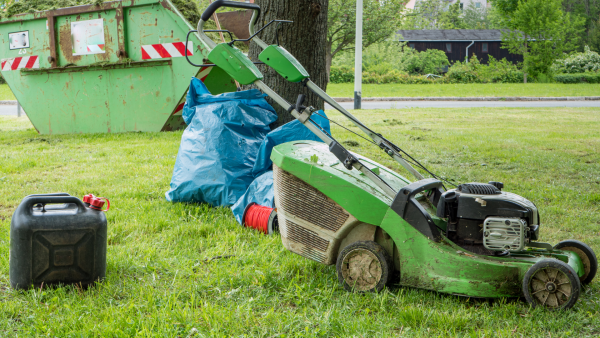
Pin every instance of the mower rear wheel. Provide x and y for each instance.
(552, 284)
(364, 267)
(587, 256)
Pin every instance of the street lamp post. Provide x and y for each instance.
(358, 56)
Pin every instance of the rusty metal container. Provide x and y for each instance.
(116, 67)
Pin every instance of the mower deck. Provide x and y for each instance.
(322, 207)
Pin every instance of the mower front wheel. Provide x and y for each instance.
(587, 256)
(552, 284)
(364, 266)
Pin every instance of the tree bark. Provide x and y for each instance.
(306, 39)
(328, 60)
(525, 55)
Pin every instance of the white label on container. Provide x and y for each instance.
(19, 40)
(88, 37)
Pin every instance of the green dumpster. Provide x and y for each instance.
(115, 67)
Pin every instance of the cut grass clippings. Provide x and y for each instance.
(162, 279)
(466, 90)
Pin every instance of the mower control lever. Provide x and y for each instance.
(299, 107)
(300, 101)
(253, 35)
(187, 42)
(343, 155)
(221, 31)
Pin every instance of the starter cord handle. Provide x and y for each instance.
(212, 8)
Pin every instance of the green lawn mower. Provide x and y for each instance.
(338, 207)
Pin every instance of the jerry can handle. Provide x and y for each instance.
(53, 194)
(29, 202)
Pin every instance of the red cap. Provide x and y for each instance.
(88, 198)
(97, 203)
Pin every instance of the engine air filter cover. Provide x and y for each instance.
(479, 189)
(503, 233)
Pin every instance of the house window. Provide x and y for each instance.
(411, 45)
(478, 5)
(448, 48)
(484, 47)
(461, 6)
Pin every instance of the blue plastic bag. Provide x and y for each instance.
(291, 131)
(219, 146)
(260, 192)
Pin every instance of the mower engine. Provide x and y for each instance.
(485, 220)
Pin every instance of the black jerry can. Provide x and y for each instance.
(56, 239)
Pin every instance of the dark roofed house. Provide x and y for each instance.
(481, 42)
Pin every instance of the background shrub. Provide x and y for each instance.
(389, 56)
(346, 75)
(578, 78)
(341, 74)
(427, 62)
(463, 73)
(588, 61)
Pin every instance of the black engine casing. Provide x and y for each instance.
(470, 204)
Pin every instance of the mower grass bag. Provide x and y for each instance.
(291, 131)
(219, 146)
(261, 190)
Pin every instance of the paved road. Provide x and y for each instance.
(469, 104)
(12, 110)
(9, 110)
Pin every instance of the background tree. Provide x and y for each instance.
(476, 18)
(540, 31)
(593, 38)
(381, 20)
(452, 18)
(505, 7)
(306, 39)
(425, 15)
(438, 14)
(586, 10)
(589, 10)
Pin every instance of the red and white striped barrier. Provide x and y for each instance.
(204, 72)
(166, 50)
(29, 62)
(96, 49)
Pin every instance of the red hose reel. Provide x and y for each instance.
(263, 219)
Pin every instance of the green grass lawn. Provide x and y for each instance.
(161, 280)
(6, 93)
(466, 90)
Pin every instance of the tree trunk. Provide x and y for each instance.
(524, 60)
(306, 39)
(328, 60)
